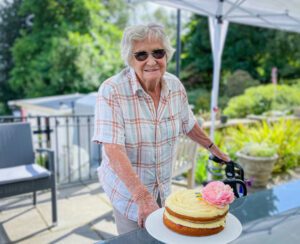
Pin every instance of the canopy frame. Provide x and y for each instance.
(276, 14)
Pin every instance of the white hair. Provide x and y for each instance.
(141, 32)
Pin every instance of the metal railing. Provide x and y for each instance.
(76, 156)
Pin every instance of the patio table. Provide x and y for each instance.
(268, 216)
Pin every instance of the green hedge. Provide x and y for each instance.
(257, 100)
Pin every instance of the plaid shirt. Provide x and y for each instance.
(125, 115)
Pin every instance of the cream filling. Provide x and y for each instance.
(208, 225)
(186, 203)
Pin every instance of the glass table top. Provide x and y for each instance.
(268, 216)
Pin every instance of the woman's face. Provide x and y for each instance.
(151, 70)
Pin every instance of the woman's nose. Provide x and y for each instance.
(151, 60)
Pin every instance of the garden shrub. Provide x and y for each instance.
(291, 82)
(201, 174)
(2, 108)
(200, 98)
(284, 133)
(255, 149)
(257, 100)
(238, 82)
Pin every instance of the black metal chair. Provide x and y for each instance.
(19, 173)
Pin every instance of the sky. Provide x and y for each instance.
(149, 8)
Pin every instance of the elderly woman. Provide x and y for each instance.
(140, 112)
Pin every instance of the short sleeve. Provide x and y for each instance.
(108, 123)
(188, 119)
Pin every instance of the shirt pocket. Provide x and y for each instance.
(170, 129)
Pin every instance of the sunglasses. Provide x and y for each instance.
(143, 55)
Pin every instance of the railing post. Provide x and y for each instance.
(57, 151)
(39, 129)
(79, 146)
(89, 145)
(68, 148)
(48, 132)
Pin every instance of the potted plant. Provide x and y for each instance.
(257, 160)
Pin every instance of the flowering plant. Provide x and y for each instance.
(217, 193)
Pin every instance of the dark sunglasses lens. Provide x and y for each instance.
(141, 56)
(158, 54)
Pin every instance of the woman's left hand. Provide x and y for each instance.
(218, 153)
(224, 157)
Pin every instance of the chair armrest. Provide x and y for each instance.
(50, 154)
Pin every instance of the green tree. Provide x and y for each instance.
(283, 52)
(70, 47)
(10, 25)
(119, 13)
(196, 55)
(244, 49)
(255, 50)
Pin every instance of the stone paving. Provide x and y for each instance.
(84, 215)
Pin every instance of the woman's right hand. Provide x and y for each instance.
(146, 206)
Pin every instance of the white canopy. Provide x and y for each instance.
(276, 14)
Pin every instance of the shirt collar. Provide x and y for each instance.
(137, 87)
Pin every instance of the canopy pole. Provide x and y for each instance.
(218, 30)
(216, 77)
(178, 43)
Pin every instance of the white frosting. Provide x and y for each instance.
(208, 225)
(185, 202)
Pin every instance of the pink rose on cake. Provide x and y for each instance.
(217, 193)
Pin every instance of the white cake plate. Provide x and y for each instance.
(156, 228)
